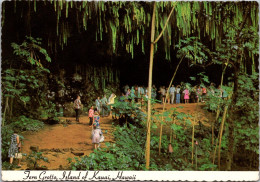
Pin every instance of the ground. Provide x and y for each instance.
(59, 142)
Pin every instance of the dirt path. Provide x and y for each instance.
(59, 142)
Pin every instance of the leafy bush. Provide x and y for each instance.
(22, 123)
(33, 160)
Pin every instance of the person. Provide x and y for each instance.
(193, 94)
(154, 92)
(111, 101)
(204, 93)
(182, 87)
(199, 93)
(98, 104)
(96, 136)
(163, 93)
(224, 94)
(128, 94)
(122, 98)
(96, 118)
(178, 96)
(132, 94)
(172, 93)
(77, 106)
(186, 95)
(91, 115)
(220, 91)
(104, 107)
(126, 87)
(15, 147)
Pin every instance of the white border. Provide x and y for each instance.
(129, 175)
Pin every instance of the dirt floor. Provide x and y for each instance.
(59, 142)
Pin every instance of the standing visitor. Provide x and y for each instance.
(91, 115)
(15, 147)
(193, 94)
(77, 106)
(122, 98)
(178, 94)
(212, 89)
(128, 94)
(219, 91)
(199, 93)
(111, 101)
(154, 92)
(132, 94)
(172, 93)
(182, 87)
(139, 93)
(204, 93)
(104, 108)
(163, 93)
(224, 94)
(186, 95)
(96, 136)
(98, 104)
(126, 87)
(96, 118)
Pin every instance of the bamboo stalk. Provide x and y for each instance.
(192, 145)
(147, 151)
(160, 140)
(167, 94)
(218, 109)
(221, 132)
(147, 154)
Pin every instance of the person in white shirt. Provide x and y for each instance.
(172, 93)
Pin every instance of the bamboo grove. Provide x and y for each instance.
(128, 25)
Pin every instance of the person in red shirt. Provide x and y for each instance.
(91, 115)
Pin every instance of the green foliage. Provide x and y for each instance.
(193, 50)
(247, 113)
(129, 112)
(33, 160)
(118, 156)
(22, 123)
(29, 51)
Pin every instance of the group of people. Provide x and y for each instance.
(103, 105)
(103, 108)
(183, 93)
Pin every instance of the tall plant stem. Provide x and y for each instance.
(147, 151)
(192, 140)
(218, 109)
(5, 110)
(221, 132)
(167, 95)
(160, 140)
